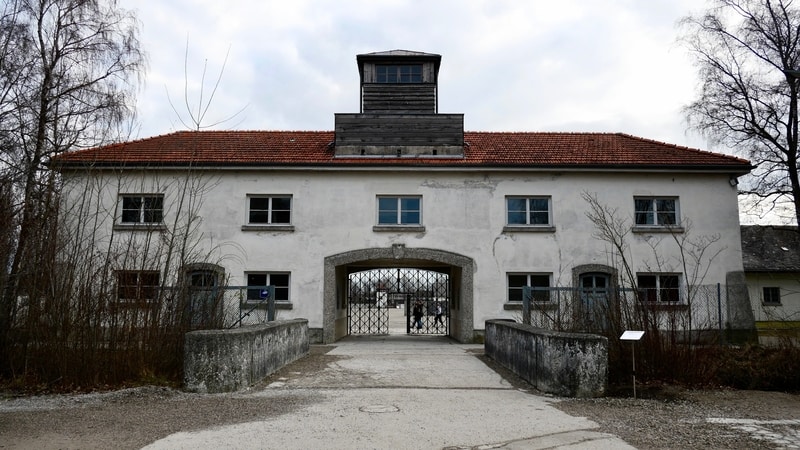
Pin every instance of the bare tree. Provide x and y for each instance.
(667, 330)
(69, 69)
(128, 292)
(192, 114)
(748, 57)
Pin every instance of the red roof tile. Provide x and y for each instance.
(481, 149)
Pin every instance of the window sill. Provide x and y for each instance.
(133, 304)
(264, 305)
(400, 228)
(655, 306)
(140, 227)
(770, 304)
(529, 229)
(535, 306)
(657, 229)
(288, 228)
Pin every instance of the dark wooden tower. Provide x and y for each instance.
(399, 110)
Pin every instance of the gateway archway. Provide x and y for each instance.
(338, 268)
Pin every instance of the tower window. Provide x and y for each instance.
(406, 73)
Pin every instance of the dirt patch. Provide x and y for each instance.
(129, 419)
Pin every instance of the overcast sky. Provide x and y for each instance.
(507, 65)
(541, 65)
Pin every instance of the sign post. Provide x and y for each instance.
(632, 336)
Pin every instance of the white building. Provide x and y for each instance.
(400, 186)
(772, 269)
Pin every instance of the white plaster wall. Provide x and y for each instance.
(463, 212)
(788, 310)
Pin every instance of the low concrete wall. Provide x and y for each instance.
(565, 364)
(231, 360)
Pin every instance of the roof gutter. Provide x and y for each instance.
(400, 167)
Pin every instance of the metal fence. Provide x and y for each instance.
(231, 306)
(106, 320)
(698, 309)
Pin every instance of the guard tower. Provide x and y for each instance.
(399, 110)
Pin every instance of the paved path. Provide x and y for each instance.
(404, 392)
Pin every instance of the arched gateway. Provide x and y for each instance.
(337, 268)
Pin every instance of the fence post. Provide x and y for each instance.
(527, 293)
(270, 303)
(719, 313)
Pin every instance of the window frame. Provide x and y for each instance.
(655, 213)
(282, 292)
(270, 211)
(544, 298)
(399, 211)
(142, 209)
(655, 295)
(767, 299)
(141, 290)
(399, 73)
(529, 211)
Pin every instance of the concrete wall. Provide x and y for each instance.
(231, 360)
(565, 364)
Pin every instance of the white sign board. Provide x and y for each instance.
(631, 335)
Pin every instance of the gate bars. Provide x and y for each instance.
(382, 300)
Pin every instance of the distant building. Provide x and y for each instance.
(399, 185)
(771, 258)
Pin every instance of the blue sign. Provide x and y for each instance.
(264, 293)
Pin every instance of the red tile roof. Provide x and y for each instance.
(481, 149)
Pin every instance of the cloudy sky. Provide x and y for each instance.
(522, 65)
(508, 65)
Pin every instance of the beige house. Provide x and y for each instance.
(398, 198)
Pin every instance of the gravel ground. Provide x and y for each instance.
(698, 419)
(132, 418)
(676, 418)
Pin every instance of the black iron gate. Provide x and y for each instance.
(383, 301)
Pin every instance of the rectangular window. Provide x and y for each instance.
(267, 210)
(142, 209)
(659, 287)
(772, 295)
(656, 211)
(399, 210)
(406, 73)
(528, 210)
(137, 285)
(257, 281)
(518, 281)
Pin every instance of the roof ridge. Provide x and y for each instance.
(245, 131)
